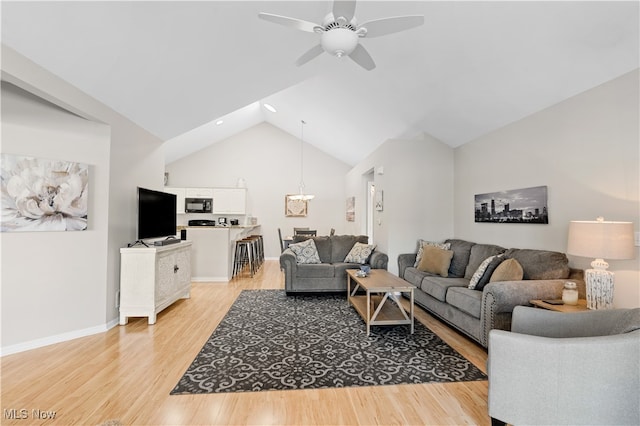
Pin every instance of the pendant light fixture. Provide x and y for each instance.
(301, 195)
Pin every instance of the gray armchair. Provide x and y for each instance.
(566, 368)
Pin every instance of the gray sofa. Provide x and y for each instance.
(330, 275)
(476, 312)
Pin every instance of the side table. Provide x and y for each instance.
(580, 307)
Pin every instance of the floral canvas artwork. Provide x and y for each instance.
(42, 195)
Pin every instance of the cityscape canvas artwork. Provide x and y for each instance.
(42, 195)
(526, 205)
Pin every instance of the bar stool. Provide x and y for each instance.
(260, 243)
(243, 257)
(256, 243)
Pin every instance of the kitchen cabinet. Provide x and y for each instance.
(199, 192)
(180, 194)
(229, 201)
(225, 200)
(152, 278)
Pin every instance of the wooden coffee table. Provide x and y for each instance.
(379, 305)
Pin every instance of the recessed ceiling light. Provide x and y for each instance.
(219, 122)
(269, 107)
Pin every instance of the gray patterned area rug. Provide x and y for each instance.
(271, 341)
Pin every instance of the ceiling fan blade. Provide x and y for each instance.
(361, 57)
(384, 26)
(298, 24)
(309, 55)
(344, 8)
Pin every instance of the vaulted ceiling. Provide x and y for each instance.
(177, 67)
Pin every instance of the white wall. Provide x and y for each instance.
(78, 297)
(45, 273)
(585, 150)
(417, 185)
(268, 159)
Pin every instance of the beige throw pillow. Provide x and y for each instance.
(509, 270)
(435, 260)
(423, 243)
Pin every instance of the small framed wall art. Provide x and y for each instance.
(378, 200)
(351, 209)
(294, 207)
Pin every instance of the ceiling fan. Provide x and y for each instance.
(340, 32)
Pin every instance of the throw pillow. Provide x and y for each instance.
(509, 270)
(306, 252)
(423, 243)
(435, 260)
(484, 280)
(475, 278)
(359, 253)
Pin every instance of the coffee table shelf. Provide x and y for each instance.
(379, 305)
(389, 313)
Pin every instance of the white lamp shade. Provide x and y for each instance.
(601, 240)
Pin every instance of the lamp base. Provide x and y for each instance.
(599, 284)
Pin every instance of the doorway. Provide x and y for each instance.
(370, 195)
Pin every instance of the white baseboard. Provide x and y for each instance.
(58, 338)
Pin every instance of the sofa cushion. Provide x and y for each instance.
(305, 252)
(481, 271)
(466, 300)
(359, 253)
(508, 270)
(435, 260)
(479, 252)
(414, 276)
(541, 264)
(461, 252)
(437, 287)
(341, 269)
(424, 243)
(315, 270)
(342, 244)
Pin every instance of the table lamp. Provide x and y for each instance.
(601, 240)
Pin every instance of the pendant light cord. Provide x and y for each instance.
(302, 157)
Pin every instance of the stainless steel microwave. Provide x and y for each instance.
(198, 205)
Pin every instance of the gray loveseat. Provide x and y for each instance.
(559, 369)
(330, 275)
(476, 312)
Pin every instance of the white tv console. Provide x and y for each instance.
(152, 278)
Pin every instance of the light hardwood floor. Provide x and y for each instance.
(125, 376)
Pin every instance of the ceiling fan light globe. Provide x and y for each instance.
(339, 41)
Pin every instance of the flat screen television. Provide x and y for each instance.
(156, 214)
